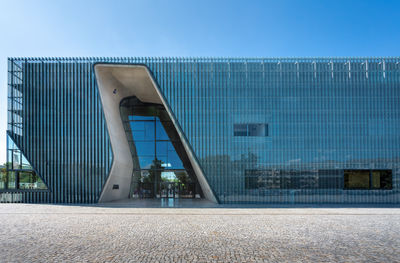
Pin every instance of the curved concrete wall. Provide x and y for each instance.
(116, 82)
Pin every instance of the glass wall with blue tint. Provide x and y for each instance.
(158, 168)
(56, 122)
(20, 173)
(320, 119)
(152, 143)
(295, 130)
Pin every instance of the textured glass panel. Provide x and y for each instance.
(56, 121)
(325, 116)
(354, 179)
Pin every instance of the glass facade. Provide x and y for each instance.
(315, 130)
(55, 120)
(21, 175)
(157, 152)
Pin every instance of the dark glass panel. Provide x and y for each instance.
(293, 179)
(251, 182)
(382, 179)
(330, 179)
(376, 180)
(356, 179)
(240, 130)
(258, 130)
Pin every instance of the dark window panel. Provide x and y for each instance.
(240, 130)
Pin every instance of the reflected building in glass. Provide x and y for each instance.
(295, 131)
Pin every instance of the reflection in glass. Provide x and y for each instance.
(158, 167)
(29, 180)
(382, 179)
(20, 174)
(144, 147)
(356, 179)
(160, 132)
(3, 177)
(11, 180)
(325, 114)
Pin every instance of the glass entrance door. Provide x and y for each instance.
(168, 190)
(170, 184)
(176, 184)
(161, 167)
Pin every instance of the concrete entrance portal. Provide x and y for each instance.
(116, 83)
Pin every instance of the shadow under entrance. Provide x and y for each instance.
(166, 190)
(161, 167)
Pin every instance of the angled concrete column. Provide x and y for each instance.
(116, 82)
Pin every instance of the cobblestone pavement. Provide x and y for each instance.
(50, 233)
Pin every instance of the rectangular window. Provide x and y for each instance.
(259, 130)
(382, 179)
(250, 129)
(240, 130)
(356, 179)
(368, 179)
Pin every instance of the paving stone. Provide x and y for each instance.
(54, 233)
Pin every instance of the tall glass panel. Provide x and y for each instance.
(158, 168)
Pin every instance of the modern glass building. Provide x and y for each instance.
(230, 130)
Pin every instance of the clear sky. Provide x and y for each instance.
(203, 28)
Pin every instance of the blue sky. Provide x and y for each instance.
(193, 28)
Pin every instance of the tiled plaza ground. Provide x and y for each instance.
(49, 233)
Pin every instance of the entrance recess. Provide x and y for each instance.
(115, 83)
